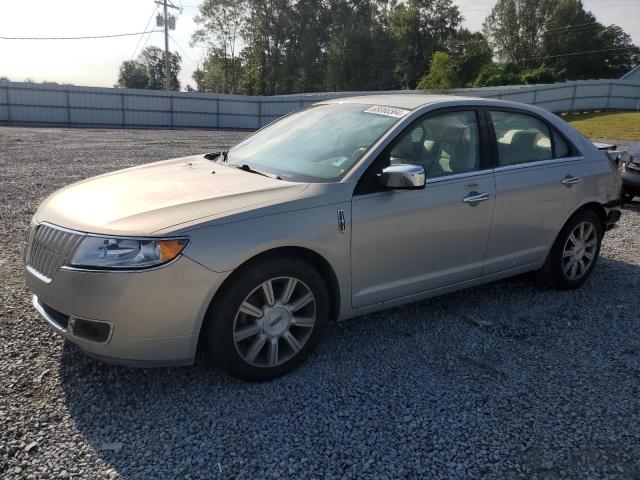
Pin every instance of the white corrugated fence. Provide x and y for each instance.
(42, 104)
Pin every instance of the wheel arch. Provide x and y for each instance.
(310, 256)
(593, 206)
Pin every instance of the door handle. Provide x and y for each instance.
(570, 180)
(477, 197)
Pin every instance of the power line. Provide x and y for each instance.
(183, 51)
(145, 42)
(153, 12)
(579, 53)
(577, 28)
(80, 38)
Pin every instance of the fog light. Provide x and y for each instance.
(90, 330)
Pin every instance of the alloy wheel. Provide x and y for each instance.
(274, 322)
(580, 250)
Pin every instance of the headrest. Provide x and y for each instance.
(453, 135)
(524, 139)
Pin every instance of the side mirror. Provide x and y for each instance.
(403, 177)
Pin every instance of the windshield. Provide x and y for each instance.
(317, 144)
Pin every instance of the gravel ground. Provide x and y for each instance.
(508, 380)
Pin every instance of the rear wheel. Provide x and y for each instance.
(268, 319)
(575, 253)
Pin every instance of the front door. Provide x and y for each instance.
(409, 242)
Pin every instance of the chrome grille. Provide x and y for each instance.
(48, 250)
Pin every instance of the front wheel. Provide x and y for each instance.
(575, 252)
(268, 319)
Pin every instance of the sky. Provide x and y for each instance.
(96, 62)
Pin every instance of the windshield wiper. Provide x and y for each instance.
(216, 155)
(247, 168)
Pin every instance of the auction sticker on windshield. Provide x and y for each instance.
(387, 111)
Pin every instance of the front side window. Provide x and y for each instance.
(521, 138)
(443, 144)
(317, 144)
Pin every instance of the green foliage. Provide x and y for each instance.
(441, 75)
(147, 71)
(542, 74)
(469, 52)
(552, 33)
(493, 75)
(133, 74)
(419, 28)
(220, 25)
(295, 46)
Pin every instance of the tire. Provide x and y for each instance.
(256, 332)
(559, 271)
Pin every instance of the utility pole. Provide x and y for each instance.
(167, 67)
(168, 22)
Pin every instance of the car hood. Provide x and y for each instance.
(157, 196)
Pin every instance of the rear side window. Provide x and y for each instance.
(521, 138)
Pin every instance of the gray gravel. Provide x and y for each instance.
(508, 380)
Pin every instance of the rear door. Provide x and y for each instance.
(537, 178)
(408, 242)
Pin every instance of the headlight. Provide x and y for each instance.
(126, 253)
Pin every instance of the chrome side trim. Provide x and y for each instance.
(457, 176)
(539, 163)
(43, 313)
(37, 274)
(342, 222)
(68, 332)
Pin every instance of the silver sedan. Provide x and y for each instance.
(340, 209)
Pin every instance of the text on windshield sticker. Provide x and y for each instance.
(388, 111)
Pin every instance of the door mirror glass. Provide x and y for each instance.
(403, 177)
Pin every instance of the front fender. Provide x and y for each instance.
(225, 247)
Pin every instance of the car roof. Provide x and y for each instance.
(401, 100)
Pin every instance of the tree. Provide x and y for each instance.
(133, 74)
(221, 23)
(213, 75)
(441, 75)
(515, 28)
(359, 56)
(560, 35)
(310, 35)
(493, 75)
(573, 29)
(419, 28)
(276, 47)
(147, 71)
(469, 52)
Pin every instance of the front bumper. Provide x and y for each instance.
(142, 318)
